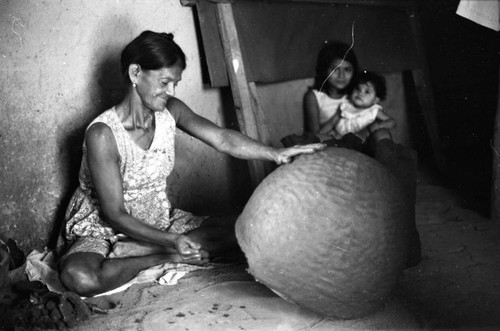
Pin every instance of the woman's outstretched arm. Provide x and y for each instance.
(230, 141)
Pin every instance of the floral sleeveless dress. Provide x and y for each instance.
(144, 177)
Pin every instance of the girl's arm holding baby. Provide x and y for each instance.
(329, 126)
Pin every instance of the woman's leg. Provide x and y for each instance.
(133, 248)
(88, 274)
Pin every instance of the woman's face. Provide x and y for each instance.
(341, 74)
(156, 86)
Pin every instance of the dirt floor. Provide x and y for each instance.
(456, 285)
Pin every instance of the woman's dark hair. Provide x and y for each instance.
(376, 80)
(331, 51)
(152, 51)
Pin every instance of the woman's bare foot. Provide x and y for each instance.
(201, 260)
(132, 248)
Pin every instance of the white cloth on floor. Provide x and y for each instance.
(171, 271)
(41, 266)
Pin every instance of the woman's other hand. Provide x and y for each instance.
(286, 155)
(190, 251)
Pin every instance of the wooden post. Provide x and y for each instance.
(245, 103)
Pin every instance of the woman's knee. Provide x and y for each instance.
(80, 277)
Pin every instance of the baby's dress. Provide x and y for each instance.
(353, 120)
(144, 179)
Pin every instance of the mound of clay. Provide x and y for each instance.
(329, 232)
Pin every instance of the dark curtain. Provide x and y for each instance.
(281, 41)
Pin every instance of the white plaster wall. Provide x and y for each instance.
(60, 68)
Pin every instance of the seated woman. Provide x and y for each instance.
(119, 220)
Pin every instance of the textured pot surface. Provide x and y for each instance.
(328, 232)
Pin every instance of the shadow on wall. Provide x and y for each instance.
(419, 135)
(105, 89)
(241, 187)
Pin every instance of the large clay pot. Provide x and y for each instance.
(329, 232)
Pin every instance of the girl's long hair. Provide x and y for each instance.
(330, 52)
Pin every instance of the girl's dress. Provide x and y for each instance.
(328, 106)
(144, 177)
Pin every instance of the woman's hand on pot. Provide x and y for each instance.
(286, 155)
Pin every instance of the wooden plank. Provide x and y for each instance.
(384, 3)
(244, 103)
(261, 121)
(425, 94)
(212, 45)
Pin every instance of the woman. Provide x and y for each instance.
(120, 219)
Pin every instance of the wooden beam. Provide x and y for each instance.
(244, 102)
(384, 3)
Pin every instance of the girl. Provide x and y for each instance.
(336, 70)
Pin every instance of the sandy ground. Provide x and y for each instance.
(456, 285)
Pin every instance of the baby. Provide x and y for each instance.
(360, 111)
